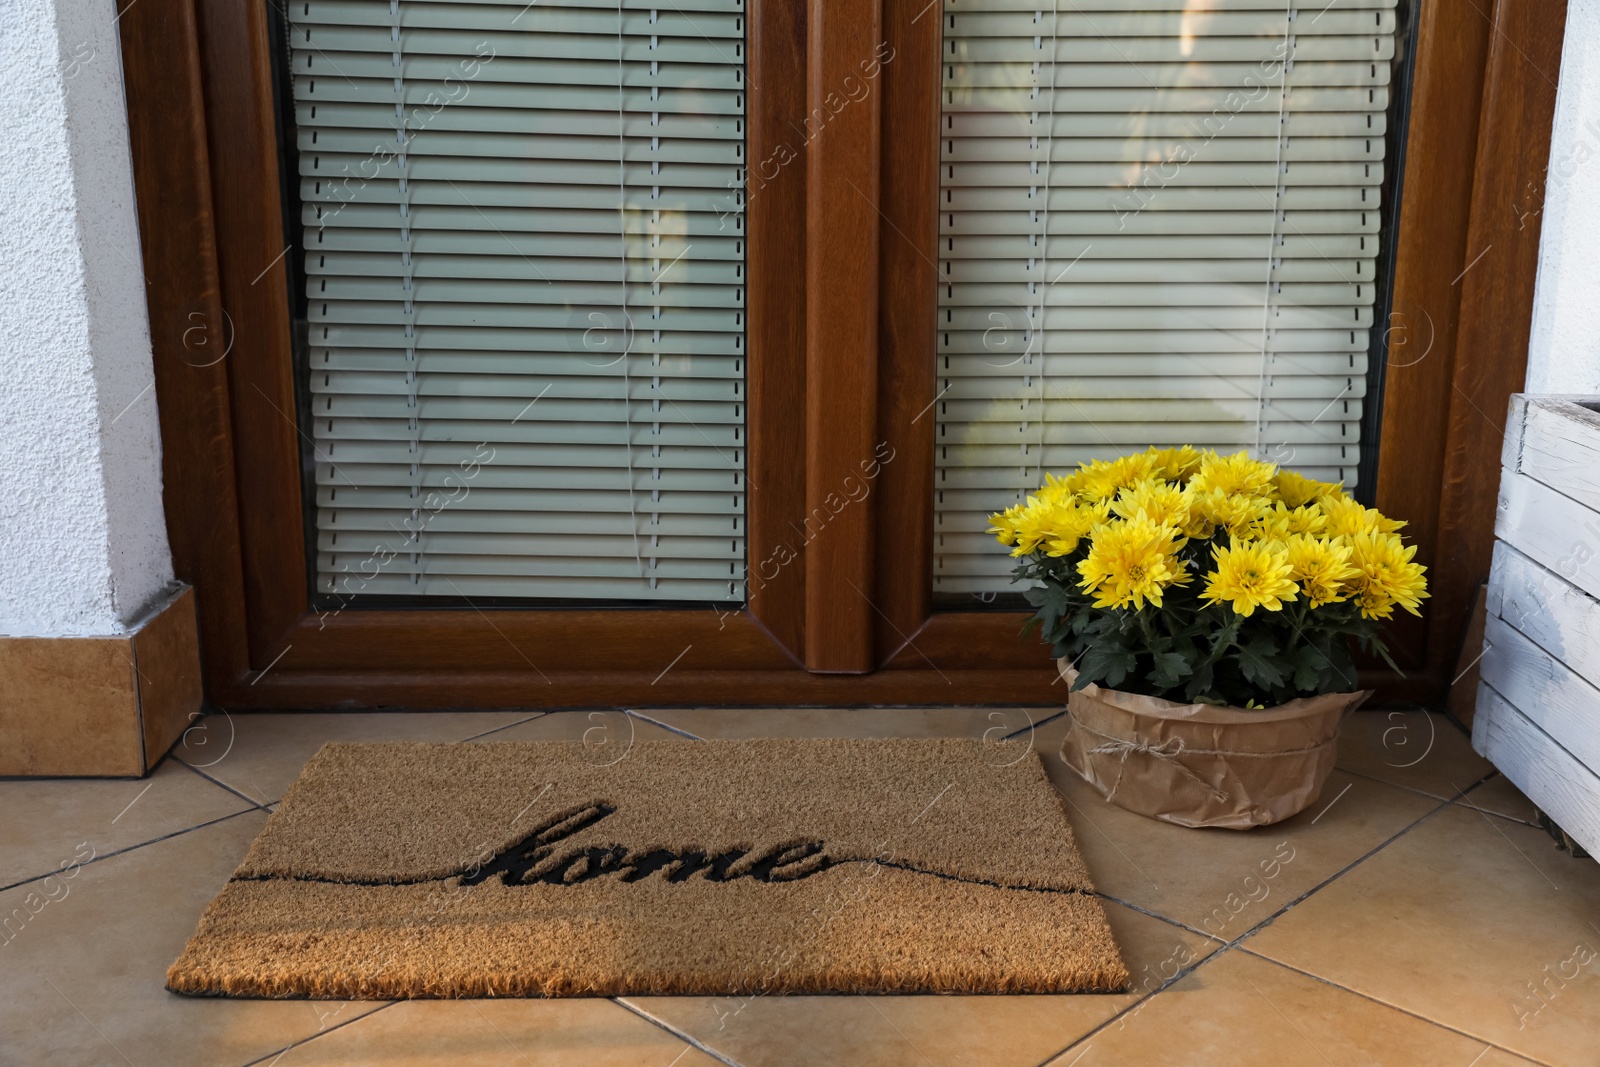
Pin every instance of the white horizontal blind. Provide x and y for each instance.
(524, 258)
(1158, 223)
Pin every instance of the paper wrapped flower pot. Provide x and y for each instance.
(1200, 764)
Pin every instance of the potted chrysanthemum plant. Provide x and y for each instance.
(1203, 609)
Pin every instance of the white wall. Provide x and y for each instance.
(1564, 349)
(83, 543)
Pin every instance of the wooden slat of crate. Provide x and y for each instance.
(1552, 778)
(1550, 528)
(1538, 711)
(1555, 441)
(1556, 615)
(1545, 690)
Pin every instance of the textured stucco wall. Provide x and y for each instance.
(1564, 349)
(83, 543)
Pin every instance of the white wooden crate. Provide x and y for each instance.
(1538, 712)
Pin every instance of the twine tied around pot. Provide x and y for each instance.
(1269, 764)
(1168, 750)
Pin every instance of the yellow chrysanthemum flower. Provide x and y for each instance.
(1072, 523)
(1003, 524)
(1214, 509)
(1097, 481)
(1035, 524)
(1053, 521)
(1385, 575)
(1175, 464)
(1130, 562)
(1280, 522)
(1296, 490)
(1056, 490)
(1103, 479)
(1347, 518)
(1254, 574)
(1165, 504)
(1320, 567)
(1139, 467)
(1235, 474)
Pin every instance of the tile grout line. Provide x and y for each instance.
(1151, 995)
(1454, 798)
(1461, 799)
(254, 806)
(130, 848)
(689, 1040)
(220, 784)
(1384, 781)
(507, 726)
(1386, 1004)
(1238, 942)
(642, 717)
(285, 1050)
(1033, 726)
(681, 1035)
(266, 805)
(1341, 872)
(1180, 924)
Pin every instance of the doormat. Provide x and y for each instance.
(686, 867)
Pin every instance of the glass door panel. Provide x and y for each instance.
(1159, 223)
(523, 266)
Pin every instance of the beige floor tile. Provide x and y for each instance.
(1494, 1057)
(1471, 920)
(1244, 1011)
(607, 736)
(82, 976)
(930, 1031)
(260, 753)
(53, 821)
(994, 723)
(1416, 749)
(532, 1033)
(1226, 881)
(1499, 796)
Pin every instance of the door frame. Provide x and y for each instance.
(842, 328)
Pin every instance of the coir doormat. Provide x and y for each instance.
(718, 867)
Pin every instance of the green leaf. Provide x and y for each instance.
(1225, 636)
(1171, 669)
(1107, 663)
(1257, 662)
(1310, 665)
(1199, 683)
(1102, 625)
(1376, 644)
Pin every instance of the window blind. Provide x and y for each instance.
(1158, 225)
(524, 262)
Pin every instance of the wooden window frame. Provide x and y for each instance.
(841, 328)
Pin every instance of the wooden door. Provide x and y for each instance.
(841, 381)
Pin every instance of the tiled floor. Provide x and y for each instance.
(1414, 916)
